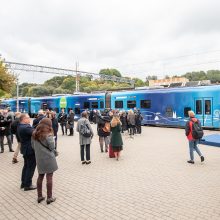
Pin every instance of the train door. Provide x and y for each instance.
(77, 110)
(203, 111)
(108, 100)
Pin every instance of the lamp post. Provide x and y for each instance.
(17, 91)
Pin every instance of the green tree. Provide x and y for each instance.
(69, 83)
(40, 90)
(138, 82)
(213, 76)
(7, 80)
(195, 76)
(153, 77)
(111, 72)
(55, 82)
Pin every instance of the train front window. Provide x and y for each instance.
(118, 104)
(131, 104)
(86, 105)
(186, 109)
(198, 107)
(145, 103)
(101, 104)
(95, 105)
(207, 107)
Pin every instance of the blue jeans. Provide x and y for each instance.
(193, 146)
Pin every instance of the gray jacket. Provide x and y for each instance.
(45, 159)
(84, 140)
(131, 119)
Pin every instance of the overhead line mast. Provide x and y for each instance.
(14, 66)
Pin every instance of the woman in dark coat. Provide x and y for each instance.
(55, 125)
(44, 148)
(116, 139)
(124, 122)
(70, 122)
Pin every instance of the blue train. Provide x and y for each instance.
(164, 107)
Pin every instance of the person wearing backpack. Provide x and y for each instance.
(104, 130)
(194, 132)
(85, 136)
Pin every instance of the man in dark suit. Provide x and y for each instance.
(25, 132)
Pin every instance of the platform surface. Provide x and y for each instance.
(152, 180)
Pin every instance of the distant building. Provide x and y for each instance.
(167, 82)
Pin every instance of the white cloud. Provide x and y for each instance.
(105, 34)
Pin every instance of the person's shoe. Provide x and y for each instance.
(11, 150)
(14, 160)
(202, 158)
(50, 200)
(40, 199)
(22, 186)
(102, 151)
(88, 162)
(106, 151)
(83, 162)
(190, 161)
(2, 151)
(30, 188)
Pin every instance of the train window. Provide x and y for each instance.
(186, 109)
(118, 104)
(145, 103)
(131, 104)
(95, 105)
(68, 110)
(101, 104)
(77, 110)
(169, 112)
(207, 107)
(198, 107)
(86, 105)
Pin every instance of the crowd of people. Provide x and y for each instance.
(38, 142)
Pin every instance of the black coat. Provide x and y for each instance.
(37, 120)
(14, 128)
(101, 124)
(62, 118)
(25, 133)
(55, 126)
(5, 125)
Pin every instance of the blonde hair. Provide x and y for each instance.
(191, 113)
(115, 121)
(130, 112)
(17, 114)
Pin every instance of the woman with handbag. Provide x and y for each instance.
(116, 139)
(44, 147)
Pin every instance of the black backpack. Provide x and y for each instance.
(197, 131)
(84, 130)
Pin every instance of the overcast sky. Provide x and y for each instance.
(139, 38)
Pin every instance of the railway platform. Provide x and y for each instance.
(152, 180)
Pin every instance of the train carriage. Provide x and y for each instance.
(170, 106)
(165, 107)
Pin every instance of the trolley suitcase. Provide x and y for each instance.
(111, 153)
